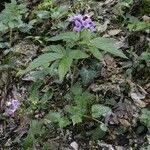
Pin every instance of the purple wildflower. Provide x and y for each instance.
(12, 107)
(87, 23)
(78, 17)
(81, 21)
(78, 26)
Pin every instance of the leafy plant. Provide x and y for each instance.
(145, 118)
(121, 5)
(78, 46)
(11, 18)
(140, 63)
(38, 97)
(135, 25)
(80, 108)
(36, 130)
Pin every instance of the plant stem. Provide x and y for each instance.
(10, 37)
(73, 73)
(92, 118)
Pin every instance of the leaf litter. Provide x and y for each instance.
(129, 95)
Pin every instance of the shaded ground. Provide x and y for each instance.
(124, 85)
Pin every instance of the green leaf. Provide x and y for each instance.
(87, 75)
(64, 67)
(76, 119)
(145, 119)
(54, 48)
(11, 16)
(36, 127)
(28, 142)
(63, 122)
(43, 14)
(77, 54)
(103, 127)
(76, 89)
(96, 53)
(85, 35)
(97, 133)
(41, 60)
(75, 110)
(67, 36)
(108, 45)
(53, 117)
(100, 110)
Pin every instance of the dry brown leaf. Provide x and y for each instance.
(137, 92)
(74, 145)
(114, 32)
(103, 27)
(124, 122)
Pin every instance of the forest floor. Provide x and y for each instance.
(97, 99)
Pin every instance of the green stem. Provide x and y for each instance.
(73, 73)
(10, 37)
(92, 118)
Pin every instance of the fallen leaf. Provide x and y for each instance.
(124, 122)
(114, 32)
(103, 27)
(137, 92)
(74, 145)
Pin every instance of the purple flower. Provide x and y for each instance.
(81, 21)
(77, 26)
(78, 17)
(76, 29)
(87, 23)
(12, 107)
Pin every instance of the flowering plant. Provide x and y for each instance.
(12, 106)
(81, 21)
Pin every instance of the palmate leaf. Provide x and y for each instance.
(64, 67)
(41, 60)
(77, 54)
(67, 36)
(108, 45)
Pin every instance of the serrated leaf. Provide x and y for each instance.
(96, 53)
(41, 60)
(108, 45)
(76, 119)
(73, 110)
(63, 122)
(76, 89)
(100, 110)
(64, 67)
(77, 54)
(28, 141)
(87, 75)
(85, 35)
(67, 36)
(35, 127)
(54, 48)
(145, 119)
(53, 117)
(11, 16)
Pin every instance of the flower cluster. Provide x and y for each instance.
(12, 107)
(81, 21)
